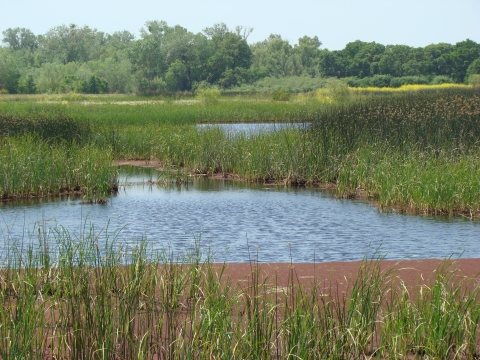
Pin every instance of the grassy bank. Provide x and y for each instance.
(96, 299)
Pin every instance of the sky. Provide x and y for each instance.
(336, 22)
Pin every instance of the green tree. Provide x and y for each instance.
(363, 58)
(277, 55)
(176, 78)
(94, 85)
(474, 67)
(308, 51)
(190, 50)
(230, 51)
(26, 85)
(50, 77)
(72, 44)
(147, 59)
(332, 63)
(9, 72)
(456, 62)
(20, 38)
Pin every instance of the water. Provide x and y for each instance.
(253, 128)
(239, 222)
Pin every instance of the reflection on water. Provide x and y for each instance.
(239, 221)
(253, 128)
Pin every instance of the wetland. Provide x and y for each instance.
(102, 261)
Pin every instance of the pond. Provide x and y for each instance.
(238, 222)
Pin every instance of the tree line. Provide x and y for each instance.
(170, 58)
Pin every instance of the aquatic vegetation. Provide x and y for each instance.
(30, 167)
(53, 125)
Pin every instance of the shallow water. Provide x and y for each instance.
(239, 222)
(253, 128)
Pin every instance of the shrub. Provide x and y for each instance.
(442, 79)
(281, 95)
(337, 89)
(474, 80)
(408, 80)
(208, 96)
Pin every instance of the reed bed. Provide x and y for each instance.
(101, 114)
(43, 122)
(75, 297)
(31, 167)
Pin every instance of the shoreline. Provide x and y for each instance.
(412, 273)
(359, 194)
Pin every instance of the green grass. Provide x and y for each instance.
(30, 167)
(95, 299)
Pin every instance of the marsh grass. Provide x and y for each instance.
(77, 297)
(55, 126)
(30, 167)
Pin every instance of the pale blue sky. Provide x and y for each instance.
(335, 22)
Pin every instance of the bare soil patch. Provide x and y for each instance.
(414, 273)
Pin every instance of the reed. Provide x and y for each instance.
(30, 167)
(88, 296)
(50, 125)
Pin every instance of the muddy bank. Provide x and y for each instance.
(414, 273)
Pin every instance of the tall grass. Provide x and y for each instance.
(101, 114)
(47, 124)
(30, 167)
(87, 297)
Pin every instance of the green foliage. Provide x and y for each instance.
(281, 95)
(337, 89)
(64, 44)
(293, 84)
(20, 39)
(94, 85)
(176, 77)
(230, 51)
(171, 58)
(208, 96)
(57, 78)
(441, 79)
(52, 124)
(27, 85)
(9, 72)
(474, 80)
(474, 67)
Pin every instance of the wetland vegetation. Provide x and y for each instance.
(97, 299)
(413, 151)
